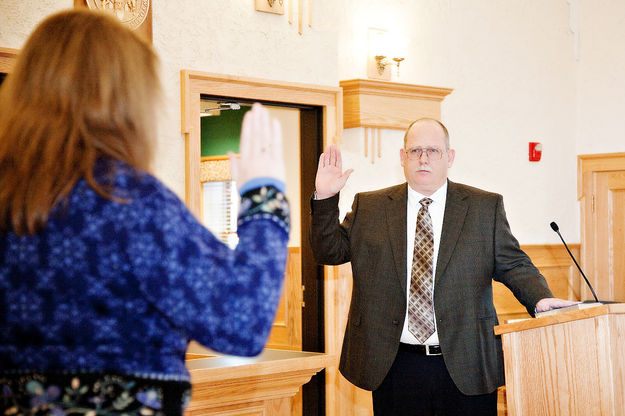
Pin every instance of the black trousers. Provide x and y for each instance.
(420, 385)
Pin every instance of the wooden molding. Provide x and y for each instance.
(225, 385)
(601, 192)
(614, 308)
(559, 270)
(195, 83)
(599, 162)
(286, 332)
(8, 57)
(390, 105)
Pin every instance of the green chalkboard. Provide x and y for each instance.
(221, 134)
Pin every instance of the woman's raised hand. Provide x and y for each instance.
(260, 148)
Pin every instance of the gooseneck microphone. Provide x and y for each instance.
(555, 228)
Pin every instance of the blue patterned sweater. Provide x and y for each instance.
(123, 287)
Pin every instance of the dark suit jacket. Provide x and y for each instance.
(476, 246)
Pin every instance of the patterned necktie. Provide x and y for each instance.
(420, 303)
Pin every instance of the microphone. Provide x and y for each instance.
(555, 228)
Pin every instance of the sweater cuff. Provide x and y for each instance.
(260, 182)
(267, 203)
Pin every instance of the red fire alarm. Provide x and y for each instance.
(536, 151)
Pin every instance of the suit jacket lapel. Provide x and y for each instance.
(396, 225)
(455, 212)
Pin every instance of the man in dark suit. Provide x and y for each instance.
(423, 256)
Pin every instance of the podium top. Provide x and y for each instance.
(532, 323)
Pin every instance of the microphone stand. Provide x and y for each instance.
(555, 228)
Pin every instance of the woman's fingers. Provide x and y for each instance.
(260, 148)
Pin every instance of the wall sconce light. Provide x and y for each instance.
(382, 63)
(378, 62)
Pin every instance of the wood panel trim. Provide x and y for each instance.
(549, 255)
(554, 263)
(388, 105)
(596, 254)
(614, 309)
(393, 89)
(194, 83)
(223, 384)
(287, 327)
(8, 57)
(599, 162)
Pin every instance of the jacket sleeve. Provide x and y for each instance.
(329, 239)
(225, 299)
(514, 268)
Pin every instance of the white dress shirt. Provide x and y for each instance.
(437, 211)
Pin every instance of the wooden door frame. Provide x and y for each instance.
(195, 83)
(587, 166)
(8, 57)
(329, 99)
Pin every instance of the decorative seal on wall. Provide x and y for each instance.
(130, 12)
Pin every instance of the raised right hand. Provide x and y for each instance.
(330, 176)
(260, 149)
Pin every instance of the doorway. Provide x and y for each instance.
(601, 191)
(320, 109)
(299, 323)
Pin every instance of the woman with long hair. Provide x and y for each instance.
(105, 276)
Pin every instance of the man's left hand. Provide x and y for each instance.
(546, 304)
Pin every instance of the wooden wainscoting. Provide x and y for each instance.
(7, 59)
(344, 399)
(286, 333)
(555, 264)
(601, 192)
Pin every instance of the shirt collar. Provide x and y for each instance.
(439, 196)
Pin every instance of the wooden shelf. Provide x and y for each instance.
(388, 105)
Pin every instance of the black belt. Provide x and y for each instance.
(421, 349)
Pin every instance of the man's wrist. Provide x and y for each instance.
(316, 196)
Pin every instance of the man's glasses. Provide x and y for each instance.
(432, 153)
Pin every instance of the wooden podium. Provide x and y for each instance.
(571, 363)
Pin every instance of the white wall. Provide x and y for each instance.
(512, 67)
(601, 81)
(226, 37)
(511, 64)
(18, 18)
(229, 37)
